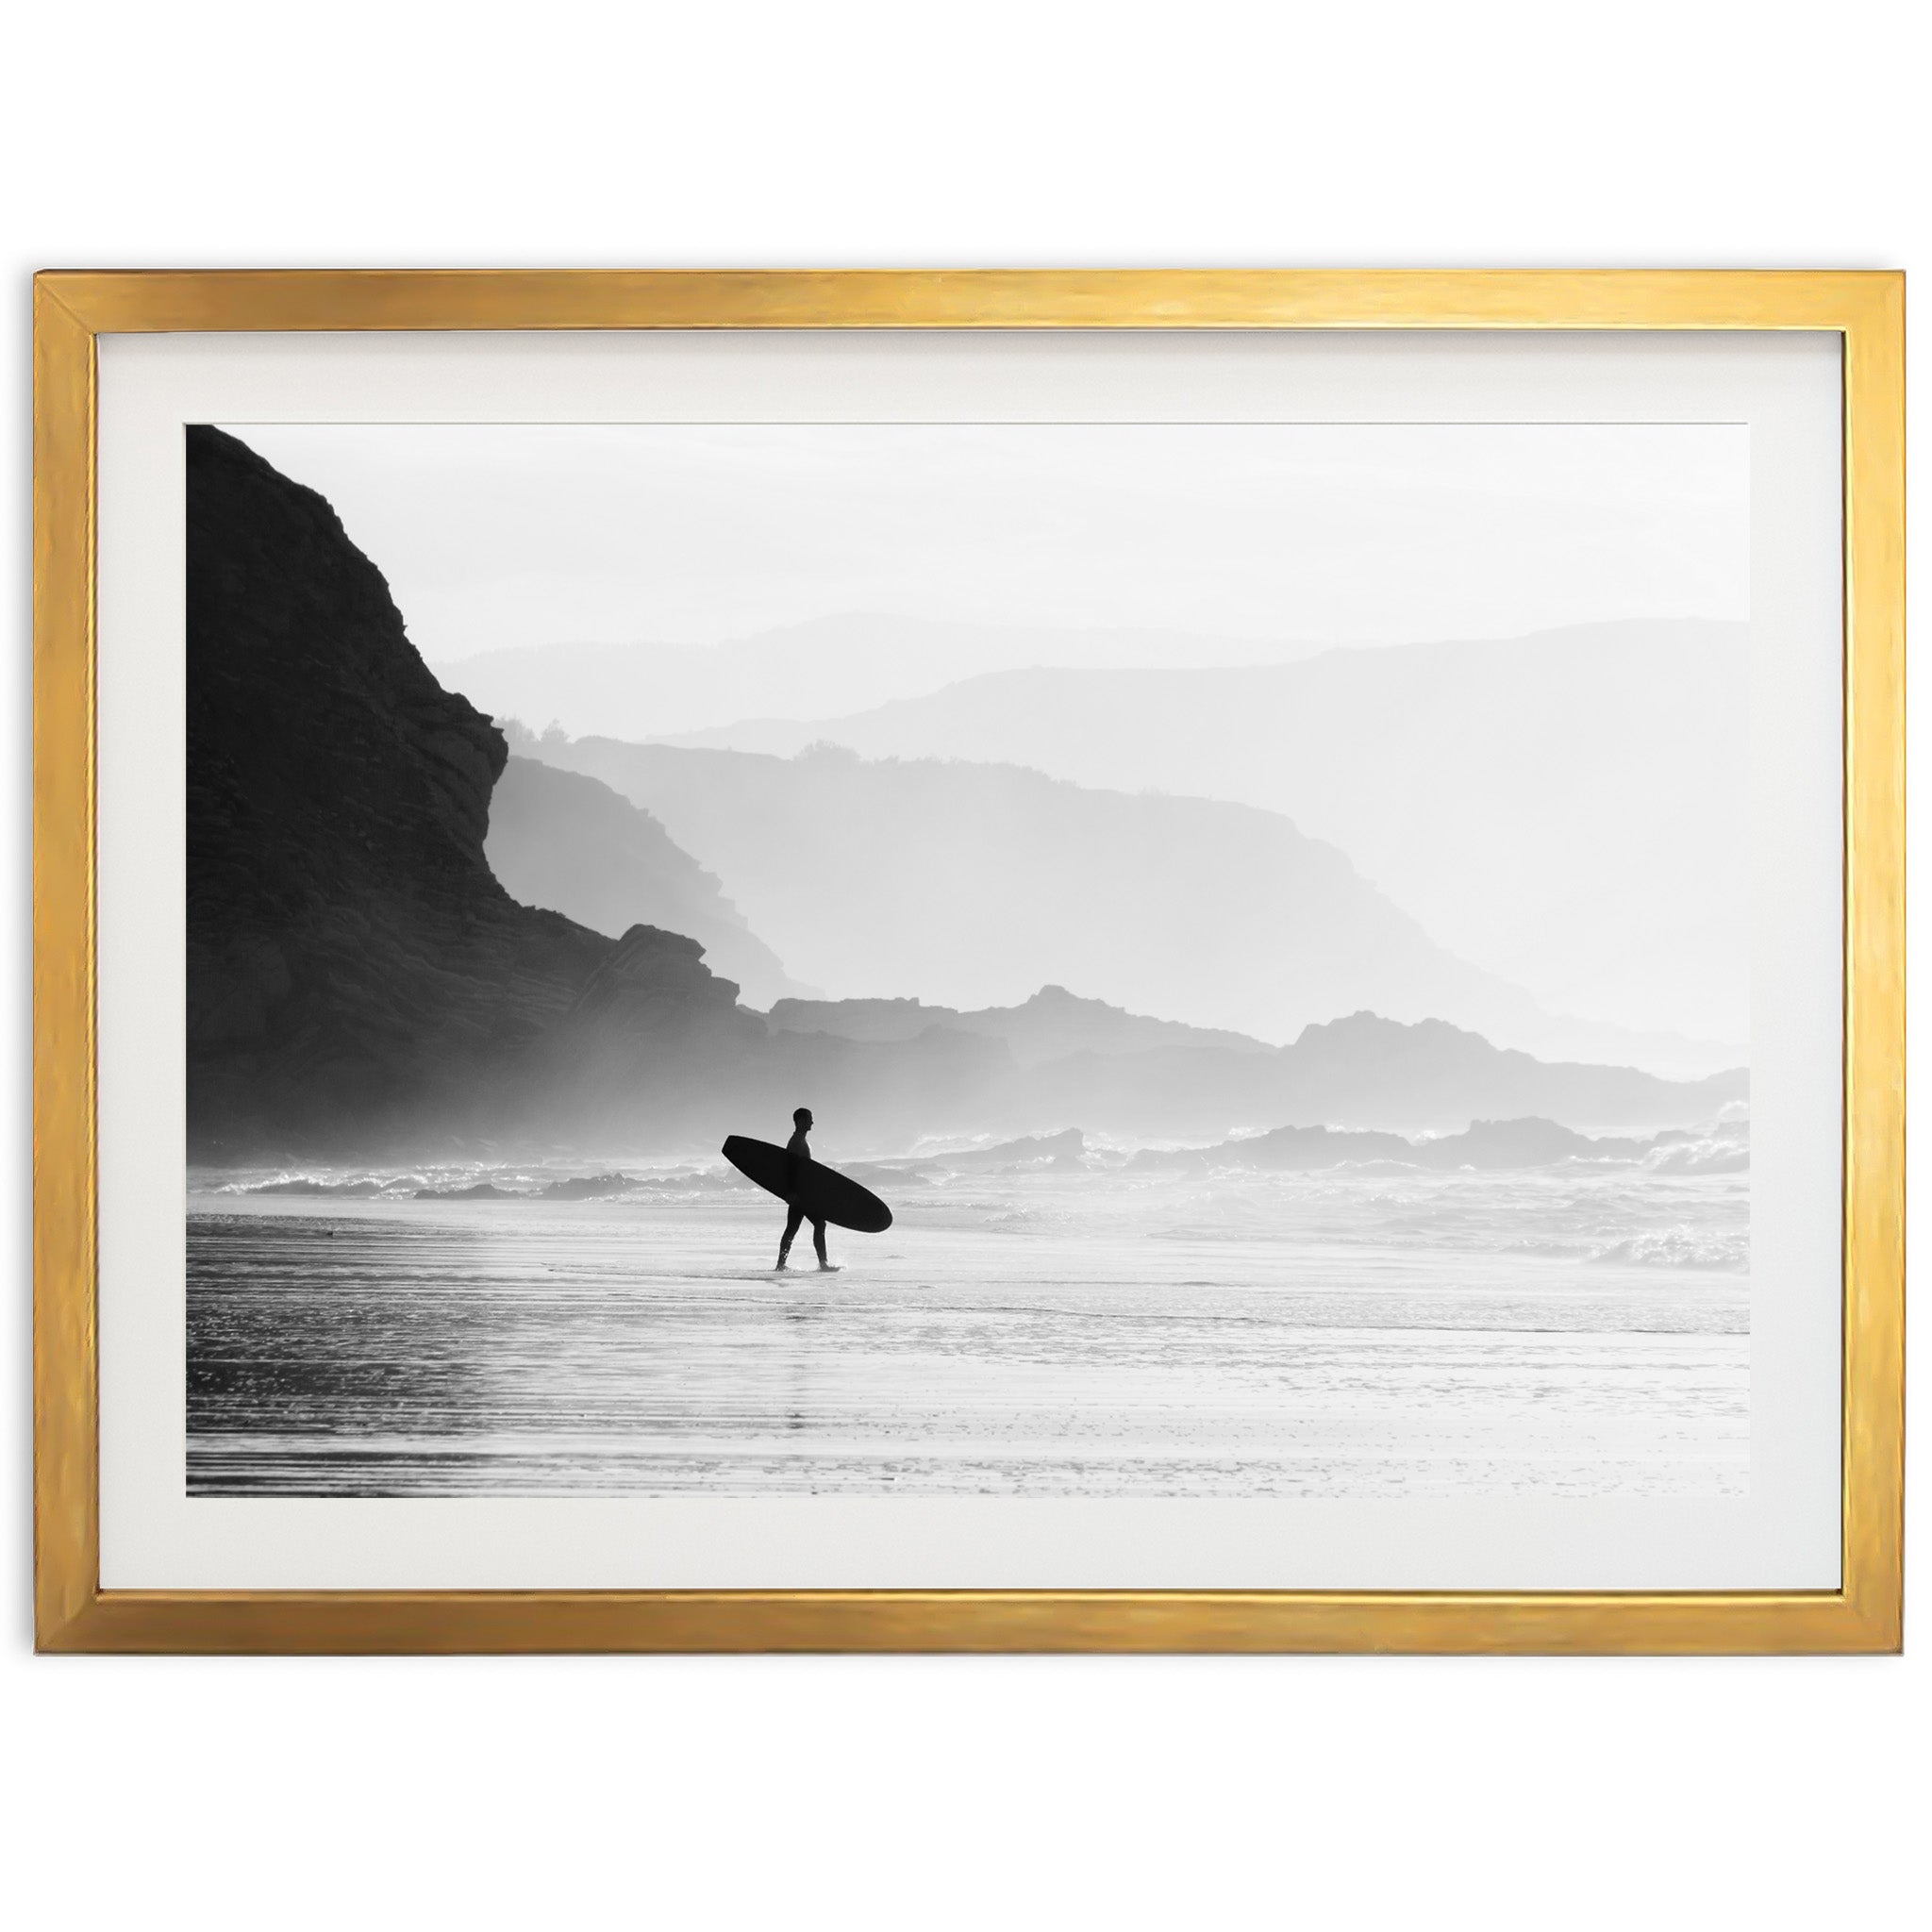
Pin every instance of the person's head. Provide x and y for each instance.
(801, 1119)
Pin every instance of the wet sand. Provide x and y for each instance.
(1020, 1335)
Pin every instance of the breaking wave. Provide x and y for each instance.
(1681, 1247)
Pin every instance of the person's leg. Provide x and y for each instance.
(818, 1241)
(794, 1222)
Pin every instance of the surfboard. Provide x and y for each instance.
(828, 1195)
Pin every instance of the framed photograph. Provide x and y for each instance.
(983, 961)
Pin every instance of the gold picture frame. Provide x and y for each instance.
(73, 1613)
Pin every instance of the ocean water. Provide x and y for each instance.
(1581, 1330)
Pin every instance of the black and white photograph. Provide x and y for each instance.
(1028, 959)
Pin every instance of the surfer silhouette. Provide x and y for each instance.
(797, 1160)
(809, 1191)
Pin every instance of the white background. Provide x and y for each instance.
(1362, 1791)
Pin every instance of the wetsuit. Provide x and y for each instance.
(797, 1159)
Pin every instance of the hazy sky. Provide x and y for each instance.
(494, 536)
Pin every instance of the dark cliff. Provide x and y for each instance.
(354, 971)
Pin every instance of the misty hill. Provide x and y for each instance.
(1564, 809)
(1490, 1145)
(561, 840)
(819, 669)
(973, 883)
(1120, 1074)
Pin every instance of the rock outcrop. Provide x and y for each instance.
(1369, 1070)
(1048, 1026)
